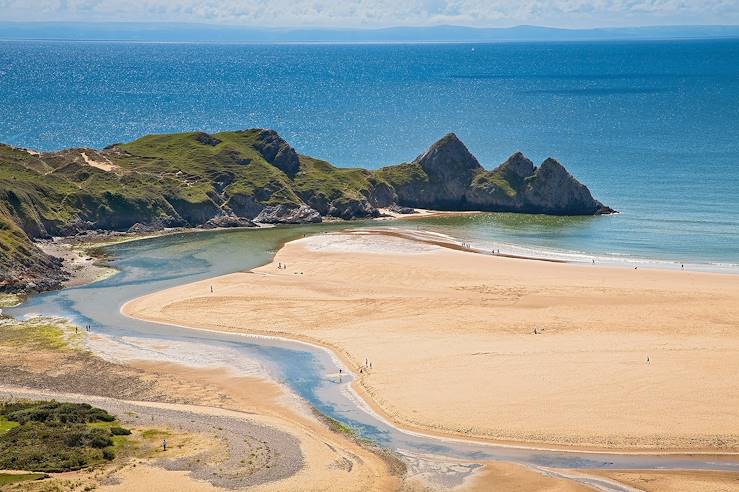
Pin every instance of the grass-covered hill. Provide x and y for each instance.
(233, 178)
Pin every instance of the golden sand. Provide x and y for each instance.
(450, 335)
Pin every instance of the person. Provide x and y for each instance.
(647, 359)
(339, 372)
(211, 289)
(164, 444)
(682, 267)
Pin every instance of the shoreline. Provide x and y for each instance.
(89, 266)
(368, 402)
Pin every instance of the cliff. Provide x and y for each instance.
(449, 177)
(237, 178)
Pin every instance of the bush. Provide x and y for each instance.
(66, 413)
(120, 431)
(55, 437)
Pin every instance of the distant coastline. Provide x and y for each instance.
(192, 32)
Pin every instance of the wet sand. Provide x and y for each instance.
(450, 336)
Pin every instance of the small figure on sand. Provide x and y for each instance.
(164, 444)
(279, 265)
(211, 289)
(648, 362)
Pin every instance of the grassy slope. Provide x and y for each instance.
(175, 179)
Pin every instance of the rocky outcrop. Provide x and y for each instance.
(552, 190)
(288, 214)
(277, 152)
(230, 179)
(402, 210)
(349, 208)
(448, 177)
(223, 221)
(441, 176)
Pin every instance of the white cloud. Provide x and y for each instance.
(381, 12)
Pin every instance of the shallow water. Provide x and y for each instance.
(151, 265)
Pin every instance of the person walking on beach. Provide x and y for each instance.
(211, 289)
(164, 444)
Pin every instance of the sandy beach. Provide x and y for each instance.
(621, 358)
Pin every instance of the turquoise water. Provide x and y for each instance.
(651, 127)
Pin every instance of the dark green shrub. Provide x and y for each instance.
(120, 431)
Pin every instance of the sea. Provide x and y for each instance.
(652, 128)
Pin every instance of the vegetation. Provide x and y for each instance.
(56, 437)
(187, 179)
(10, 478)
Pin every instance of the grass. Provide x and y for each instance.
(10, 300)
(9, 478)
(6, 425)
(57, 437)
(182, 179)
(35, 333)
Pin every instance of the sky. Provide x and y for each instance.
(381, 13)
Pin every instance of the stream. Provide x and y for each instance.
(151, 265)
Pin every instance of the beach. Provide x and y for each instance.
(449, 342)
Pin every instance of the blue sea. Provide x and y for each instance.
(651, 127)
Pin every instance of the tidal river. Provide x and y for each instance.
(150, 265)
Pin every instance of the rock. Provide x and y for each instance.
(439, 178)
(348, 209)
(402, 210)
(206, 139)
(553, 190)
(288, 214)
(228, 221)
(277, 152)
(138, 227)
(448, 177)
(519, 165)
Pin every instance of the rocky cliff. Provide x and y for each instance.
(233, 179)
(448, 177)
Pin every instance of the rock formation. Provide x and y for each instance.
(234, 179)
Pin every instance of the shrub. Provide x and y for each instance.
(120, 431)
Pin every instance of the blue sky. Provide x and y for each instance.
(382, 13)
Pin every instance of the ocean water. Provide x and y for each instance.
(651, 127)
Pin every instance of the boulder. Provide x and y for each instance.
(288, 214)
(402, 210)
(228, 221)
